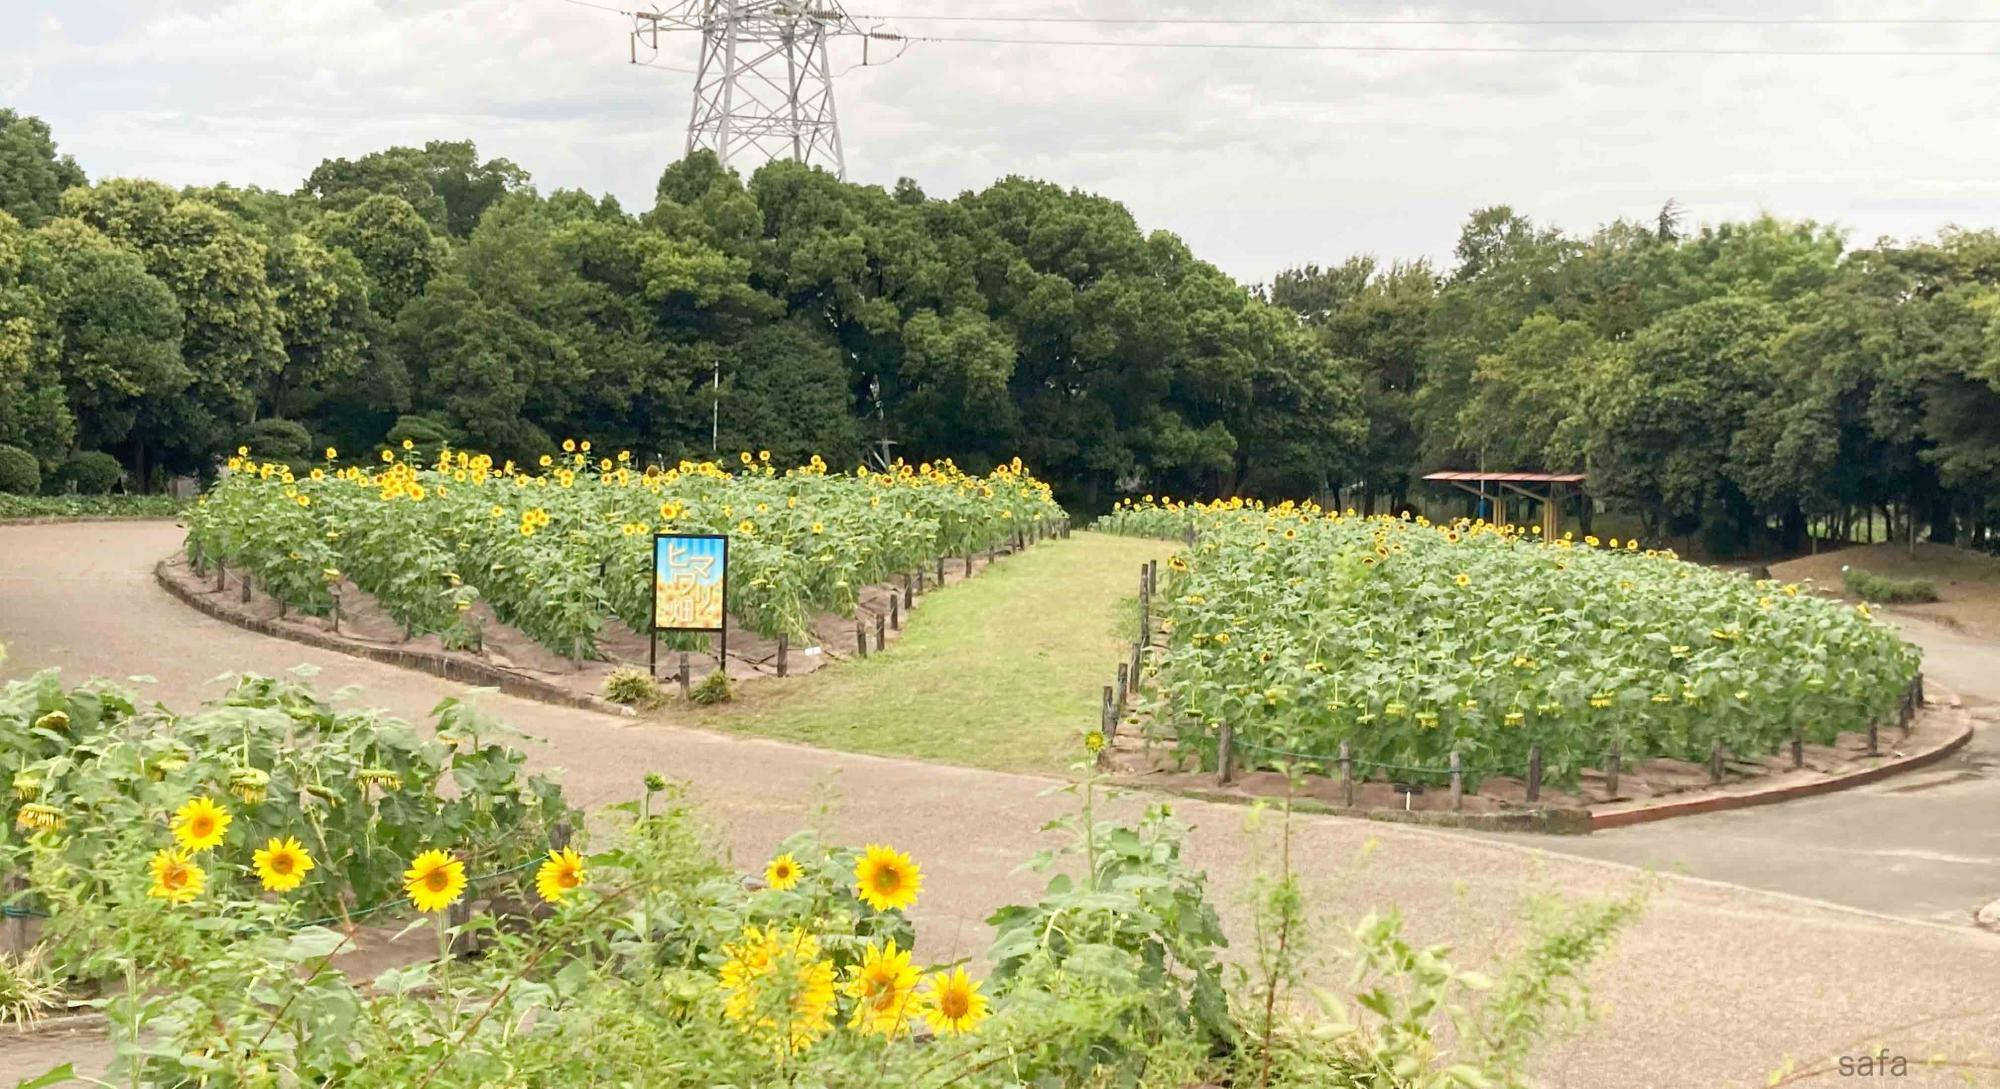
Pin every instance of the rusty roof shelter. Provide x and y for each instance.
(1548, 489)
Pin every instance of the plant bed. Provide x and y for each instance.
(1651, 790)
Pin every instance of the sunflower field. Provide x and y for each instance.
(563, 548)
(1305, 628)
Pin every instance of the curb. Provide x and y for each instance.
(451, 669)
(1720, 802)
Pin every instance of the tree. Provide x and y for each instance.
(119, 337)
(32, 176)
(34, 415)
(1666, 413)
(444, 182)
(398, 250)
(231, 338)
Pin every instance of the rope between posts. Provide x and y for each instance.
(1360, 763)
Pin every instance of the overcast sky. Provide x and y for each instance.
(1259, 159)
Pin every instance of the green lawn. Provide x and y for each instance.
(1002, 671)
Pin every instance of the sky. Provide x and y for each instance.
(1260, 159)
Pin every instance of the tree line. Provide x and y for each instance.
(1747, 381)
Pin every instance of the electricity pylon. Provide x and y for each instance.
(762, 90)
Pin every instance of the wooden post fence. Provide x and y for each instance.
(1457, 782)
(1346, 775)
(881, 631)
(895, 611)
(1535, 772)
(686, 680)
(860, 639)
(1225, 755)
(1715, 761)
(1611, 769)
(784, 646)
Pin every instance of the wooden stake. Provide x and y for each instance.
(1124, 683)
(784, 645)
(1346, 775)
(1715, 761)
(685, 679)
(1457, 783)
(896, 611)
(860, 639)
(881, 631)
(1225, 756)
(1535, 772)
(1798, 747)
(1611, 769)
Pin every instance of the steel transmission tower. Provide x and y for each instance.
(763, 89)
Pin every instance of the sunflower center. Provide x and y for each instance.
(437, 879)
(568, 879)
(887, 880)
(174, 877)
(281, 864)
(954, 1003)
(200, 827)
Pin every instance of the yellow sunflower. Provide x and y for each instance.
(282, 864)
(953, 1004)
(783, 873)
(434, 881)
(769, 968)
(886, 879)
(200, 824)
(561, 874)
(177, 878)
(1462, 579)
(885, 983)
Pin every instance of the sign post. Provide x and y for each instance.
(690, 590)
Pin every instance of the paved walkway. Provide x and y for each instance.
(1714, 987)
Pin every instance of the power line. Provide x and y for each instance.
(1329, 47)
(600, 7)
(1353, 21)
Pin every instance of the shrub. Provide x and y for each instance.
(425, 436)
(714, 688)
(273, 439)
(90, 472)
(631, 686)
(20, 474)
(1882, 589)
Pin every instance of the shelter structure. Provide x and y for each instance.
(1550, 490)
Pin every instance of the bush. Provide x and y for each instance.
(425, 436)
(20, 474)
(273, 439)
(1881, 589)
(90, 472)
(631, 686)
(713, 689)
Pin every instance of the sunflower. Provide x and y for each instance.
(434, 881)
(177, 878)
(282, 864)
(1462, 579)
(885, 983)
(783, 873)
(886, 879)
(37, 817)
(953, 1005)
(769, 968)
(200, 824)
(561, 873)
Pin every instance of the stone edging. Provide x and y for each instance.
(441, 665)
(1716, 803)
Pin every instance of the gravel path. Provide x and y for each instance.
(1716, 986)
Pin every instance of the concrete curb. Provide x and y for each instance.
(440, 665)
(1716, 803)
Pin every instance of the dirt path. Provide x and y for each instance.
(1715, 987)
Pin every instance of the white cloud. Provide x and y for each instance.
(1260, 159)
